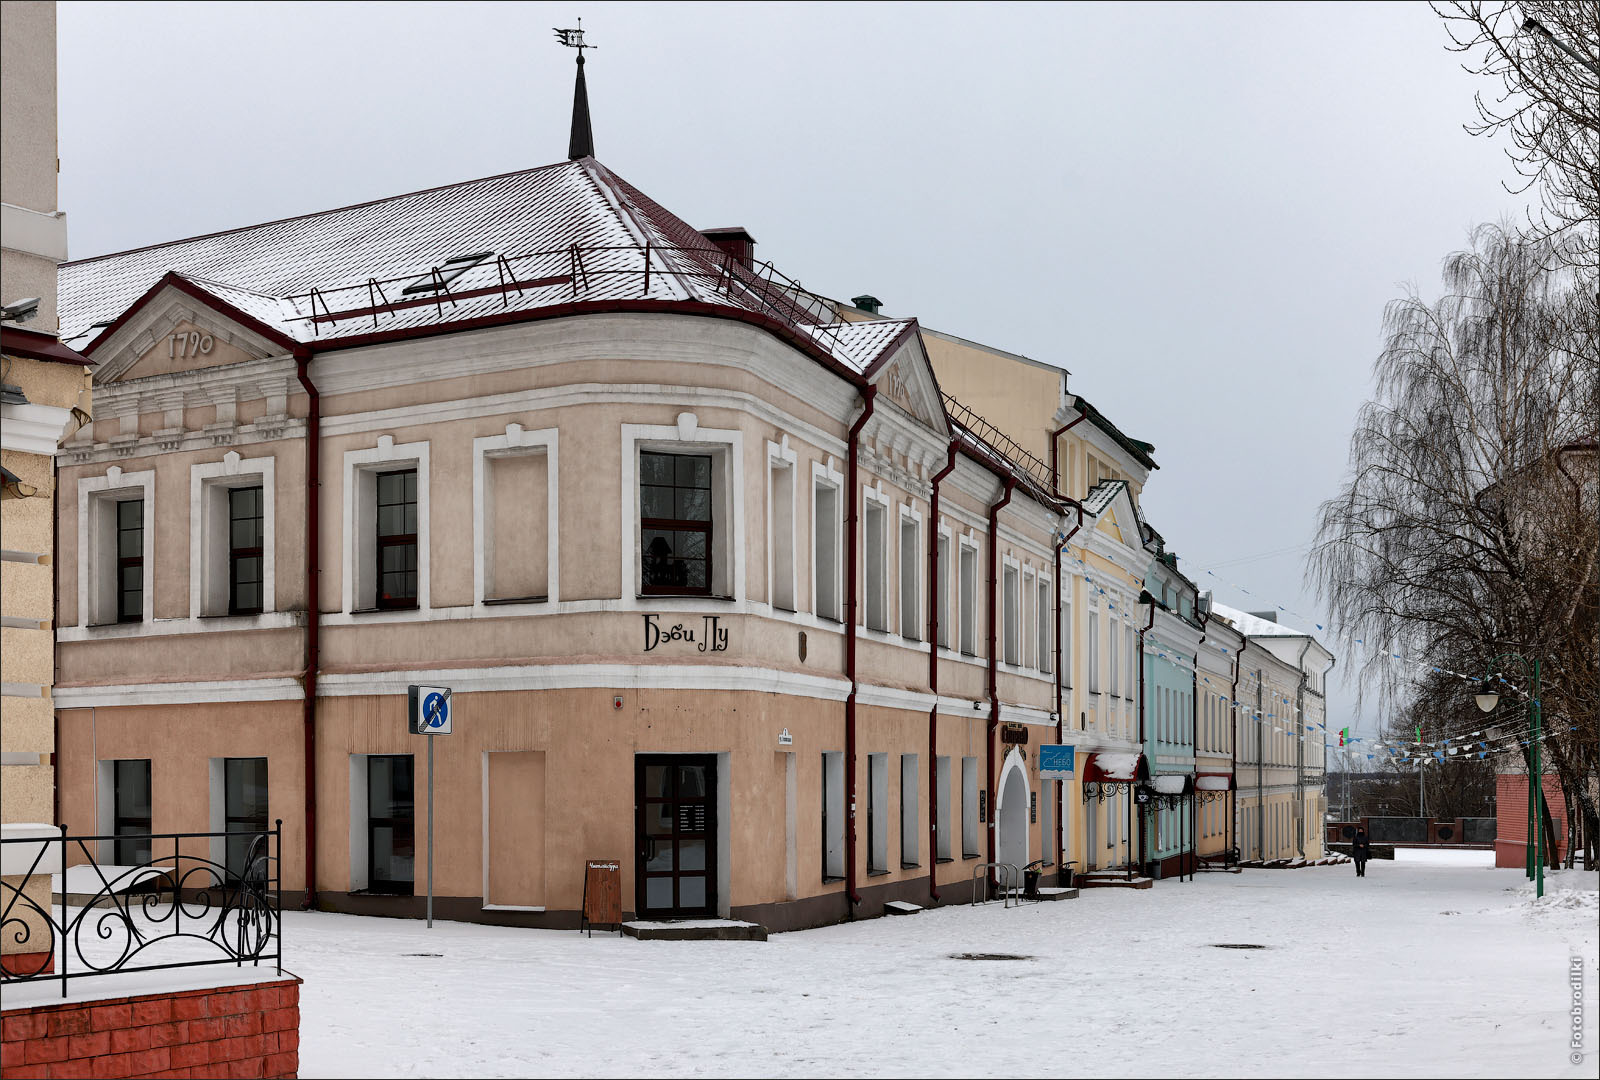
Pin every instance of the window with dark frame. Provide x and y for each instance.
(397, 539)
(244, 785)
(130, 560)
(391, 825)
(131, 818)
(245, 534)
(675, 527)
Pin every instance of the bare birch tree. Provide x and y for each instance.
(1468, 526)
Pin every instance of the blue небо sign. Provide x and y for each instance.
(1055, 762)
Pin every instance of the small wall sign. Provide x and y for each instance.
(784, 738)
(709, 637)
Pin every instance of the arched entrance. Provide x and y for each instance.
(1011, 843)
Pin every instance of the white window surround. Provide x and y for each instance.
(209, 484)
(1010, 641)
(361, 467)
(909, 513)
(780, 455)
(880, 500)
(942, 588)
(967, 599)
(825, 476)
(726, 448)
(1044, 619)
(97, 543)
(514, 442)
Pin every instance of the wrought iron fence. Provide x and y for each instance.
(102, 918)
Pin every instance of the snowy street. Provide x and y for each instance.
(1425, 967)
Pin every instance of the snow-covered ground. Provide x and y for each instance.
(1435, 965)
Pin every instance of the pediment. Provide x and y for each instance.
(1115, 516)
(171, 332)
(906, 379)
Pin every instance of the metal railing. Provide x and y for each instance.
(1009, 883)
(198, 910)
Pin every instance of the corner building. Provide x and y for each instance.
(677, 537)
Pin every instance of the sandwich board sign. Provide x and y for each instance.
(1056, 762)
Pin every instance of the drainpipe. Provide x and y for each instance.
(933, 678)
(869, 396)
(1061, 716)
(1233, 745)
(1144, 597)
(1261, 755)
(1300, 753)
(994, 654)
(313, 612)
(1055, 487)
(1194, 748)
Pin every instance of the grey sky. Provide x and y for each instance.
(1200, 210)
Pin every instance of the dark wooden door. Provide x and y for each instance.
(675, 801)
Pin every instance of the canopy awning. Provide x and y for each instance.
(1172, 784)
(36, 346)
(1208, 781)
(1115, 768)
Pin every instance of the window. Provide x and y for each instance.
(910, 613)
(131, 820)
(969, 807)
(516, 519)
(439, 277)
(397, 539)
(244, 551)
(877, 813)
(675, 524)
(244, 784)
(941, 768)
(967, 600)
(1042, 619)
(1113, 668)
(780, 532)
(874, 544)
(910, 848)
(1130, 646)
(1013, 617)
(391, 824)
(1047, 814)
(825, 550)
(1094, 651)
(832, 816)
(130, 560)
(941, 591)
(1065, 674)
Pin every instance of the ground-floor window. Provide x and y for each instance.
(910, 848)
(131, 821)
(942, 782)
(969, 807)
(877, 813)
(244, 785)
(1047, 817)
(391, 824)
(832, 816)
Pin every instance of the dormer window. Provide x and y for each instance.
(439, 277)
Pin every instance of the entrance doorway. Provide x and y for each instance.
(1013, 838)
(675, 867)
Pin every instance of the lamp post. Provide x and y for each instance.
(1487, 698)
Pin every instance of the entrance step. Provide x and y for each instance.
(900, 907)
(1057, 894)
(1113, 880)
(695, 930)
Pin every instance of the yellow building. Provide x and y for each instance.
(44, 383)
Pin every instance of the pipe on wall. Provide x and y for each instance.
(1233, 746)
(869, 396)
(994, 654)
(1061, 788)
(302, 358)
(1144, 598)
(933, 675)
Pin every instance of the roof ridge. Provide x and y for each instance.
(315, 214)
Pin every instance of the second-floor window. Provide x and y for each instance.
(675, 524)
(244, 551)
(397, 539)
(130, 560)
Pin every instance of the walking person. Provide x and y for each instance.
(1361, 851)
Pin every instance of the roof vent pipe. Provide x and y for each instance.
(869, 304)
(736, 241)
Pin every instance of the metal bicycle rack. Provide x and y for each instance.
(1010, 883)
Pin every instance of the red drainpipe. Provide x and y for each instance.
(994, 657)
(933, 678)
(1233, 743)
(1140, 690)
(1194, 751)
(1055, 486)
(313, 612)
(868, 398)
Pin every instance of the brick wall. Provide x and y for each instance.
(229, 1031)
(1511, 817)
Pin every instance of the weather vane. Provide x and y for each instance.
(573, 39)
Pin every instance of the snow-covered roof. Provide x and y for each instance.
(1253, 625)
(1101, 496)
(563, 234)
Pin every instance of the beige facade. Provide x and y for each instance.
(44, 386)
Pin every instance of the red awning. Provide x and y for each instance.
(1115, 767)
(36, 346)
(1213, 781)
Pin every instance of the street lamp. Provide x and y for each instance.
(1487, 698)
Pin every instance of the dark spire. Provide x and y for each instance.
(582, 142)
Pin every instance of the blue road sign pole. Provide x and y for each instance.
(430, 832)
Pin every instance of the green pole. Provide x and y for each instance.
(1532, 836)
(1538, 797)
